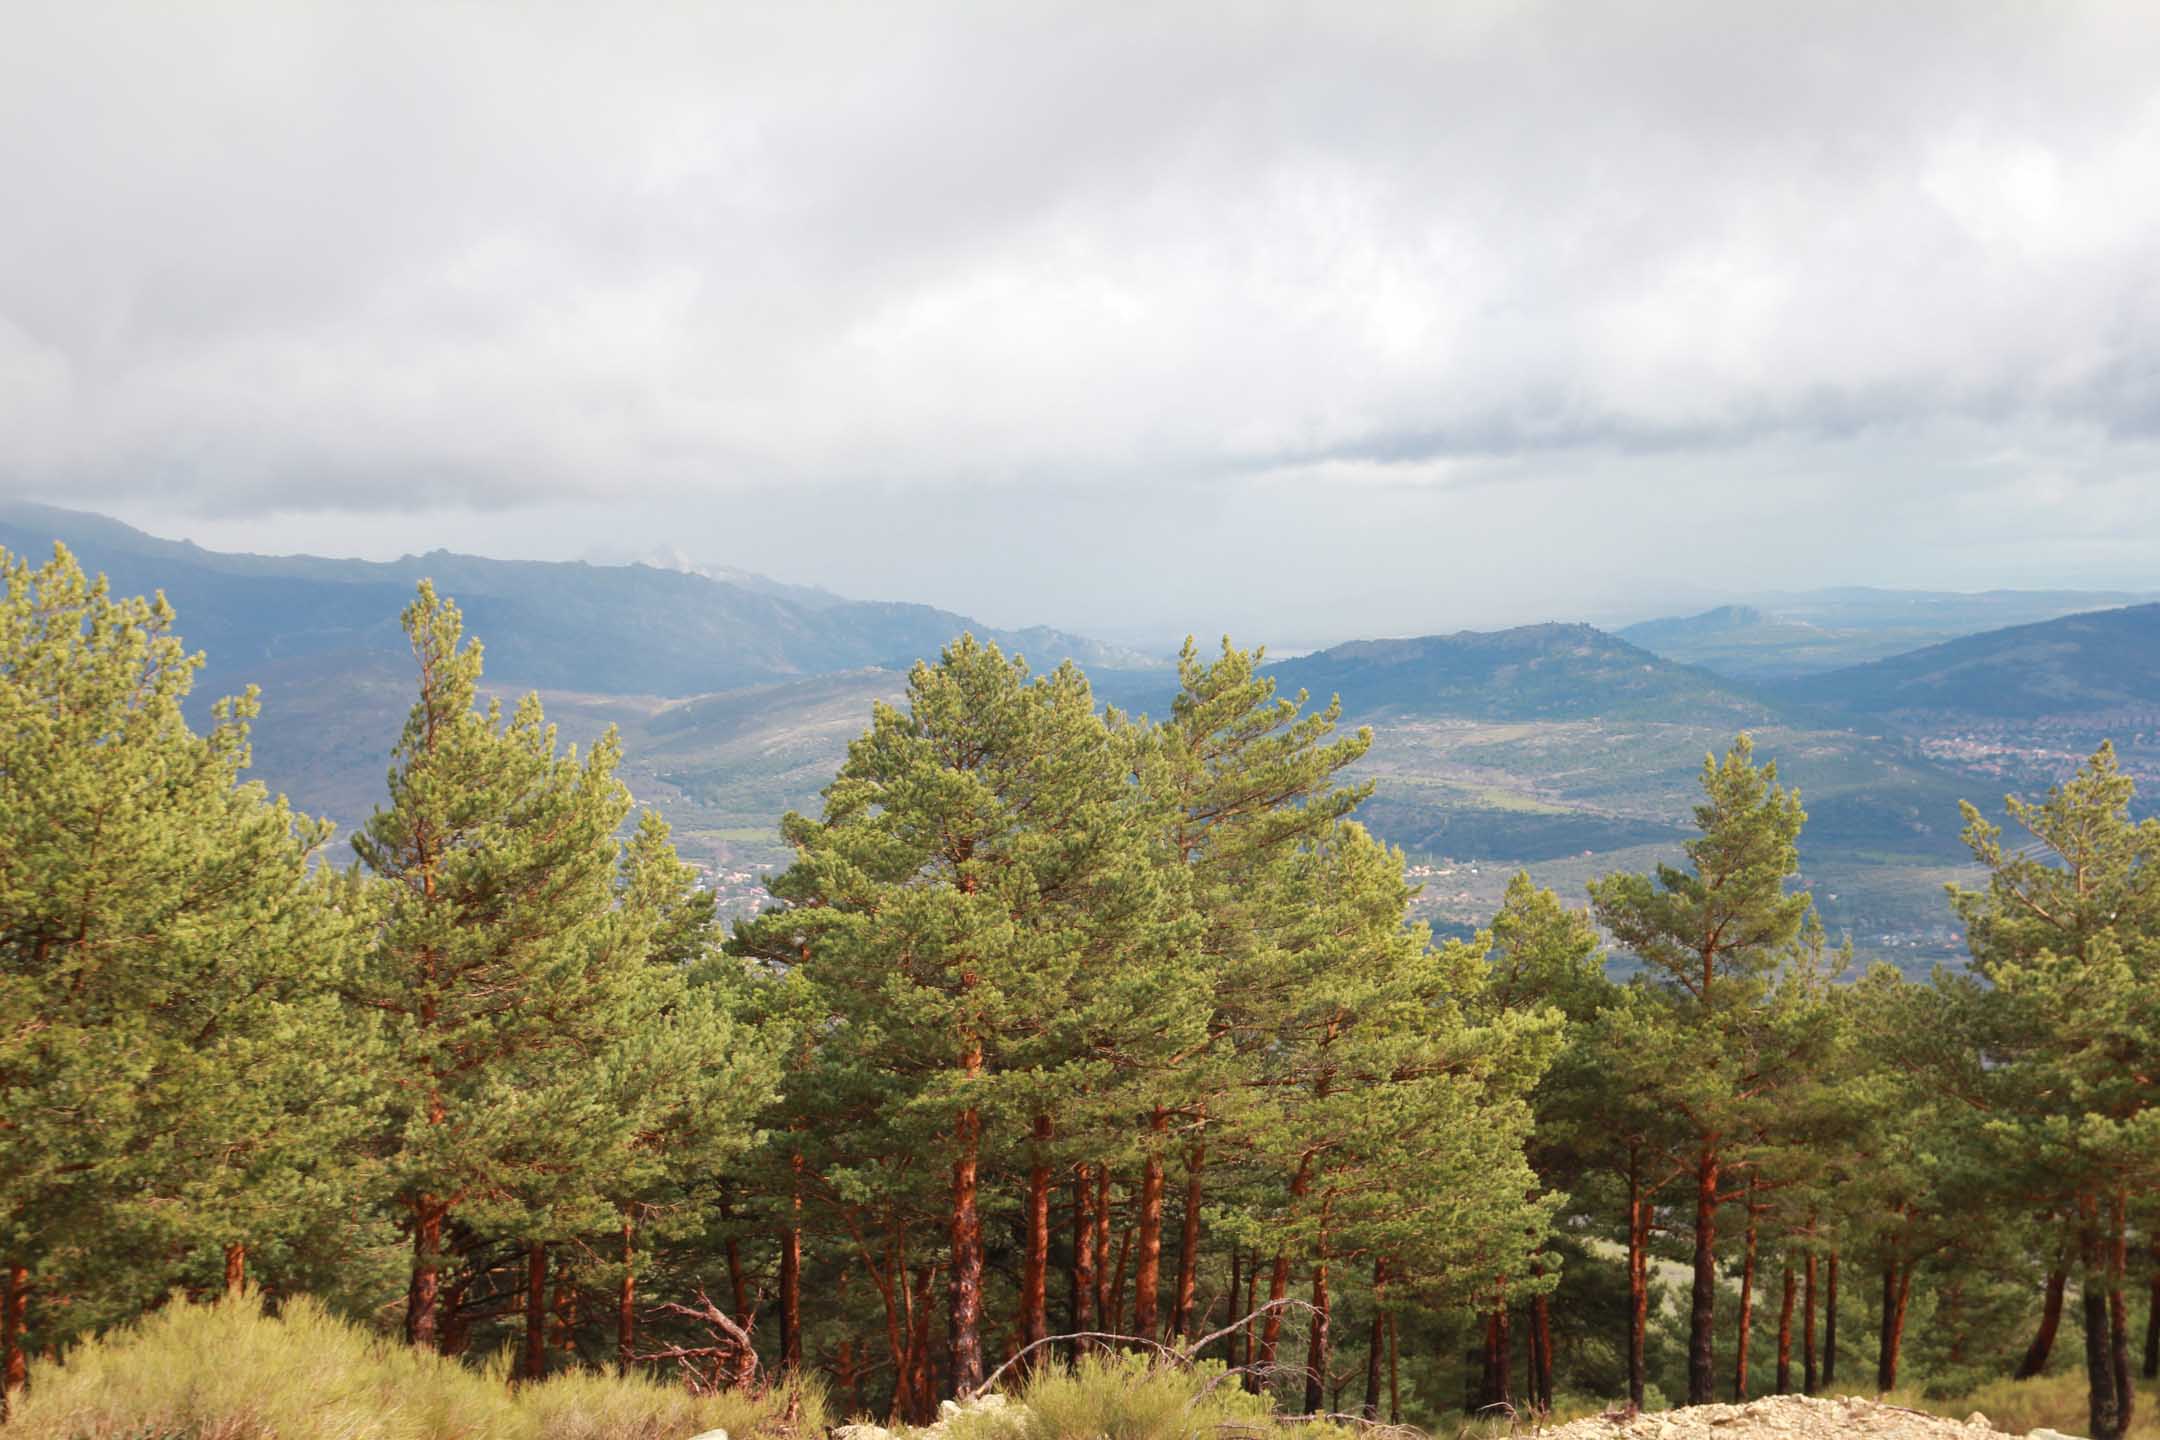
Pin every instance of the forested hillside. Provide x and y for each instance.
(1068, 1035)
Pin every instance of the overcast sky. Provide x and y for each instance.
(1308, 321)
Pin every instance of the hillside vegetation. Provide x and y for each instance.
(1066, 1033)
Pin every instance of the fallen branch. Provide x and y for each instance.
(737, 1344)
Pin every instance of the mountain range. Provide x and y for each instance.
(1559, 747)
(613, 629)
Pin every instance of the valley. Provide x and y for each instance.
(1562, 750)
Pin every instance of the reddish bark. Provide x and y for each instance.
(1188, 1270)
(1271, 1327)
(1083, 1265)
(423, 1296)
(791, 1296)
(536, 1271)
(1702, 1309)
(1034, 1277)
(1147, 1275)
(1747, 1308)
(1896, 1290)
(1638, 1285)
(1808, 1377)
(2043, 1341)
(1318, 1345)
(1105, 1311)
(1784, 1331)
(1829, 1333)
(1541, 1361)
(235, 1271)
(14, 1311)
(964, 1288)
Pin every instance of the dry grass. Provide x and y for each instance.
(2047, 1402)
(229, 1372)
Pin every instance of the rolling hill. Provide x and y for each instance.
(1787, 635)
(2099, 661)
(1532, 672)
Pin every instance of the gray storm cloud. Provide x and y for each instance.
(1467, 269)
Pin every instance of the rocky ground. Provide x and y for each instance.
(1786, 1417)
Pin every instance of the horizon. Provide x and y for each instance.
(1154, 646)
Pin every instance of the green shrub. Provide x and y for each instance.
(229, 1372)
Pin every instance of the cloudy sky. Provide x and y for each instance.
(1302, 320)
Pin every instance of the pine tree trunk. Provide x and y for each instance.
(2103, 1394)
(1083, 1262)
(1237, 1293)
(1252, 1301)
(1784, 1329)
(1035, 1272)
(1147, 1279)
(1809, 1378)
(2043, 1341)
(791, 1327)
(965, 1283)
(921, 1387)
(2152, 1322)
(1188, 1269)
(1375, 1337)
(1114, 1310)
(1702, 1312)
(1541, 1367)
(1500, 1344)
(1317, 1348)
(626, 1303)
(1747, 1306)
(791, 1268)
(1896, 1290)
(14, 1310)
(1106, 1314)
(235, 1271)
(1638, 1286)
(423, 1296)
(1271, 1328)
(536, 1272)
(1829, 1337)
(1279, 1283)
(1394, 1375)
(2119, 1316)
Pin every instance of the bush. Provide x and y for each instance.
(1125, 1397)
(230, 1372)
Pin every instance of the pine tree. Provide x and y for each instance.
(979, 854)
(2066, 1030)
(1711, 937)
(169, 1078)
(522, 1011)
